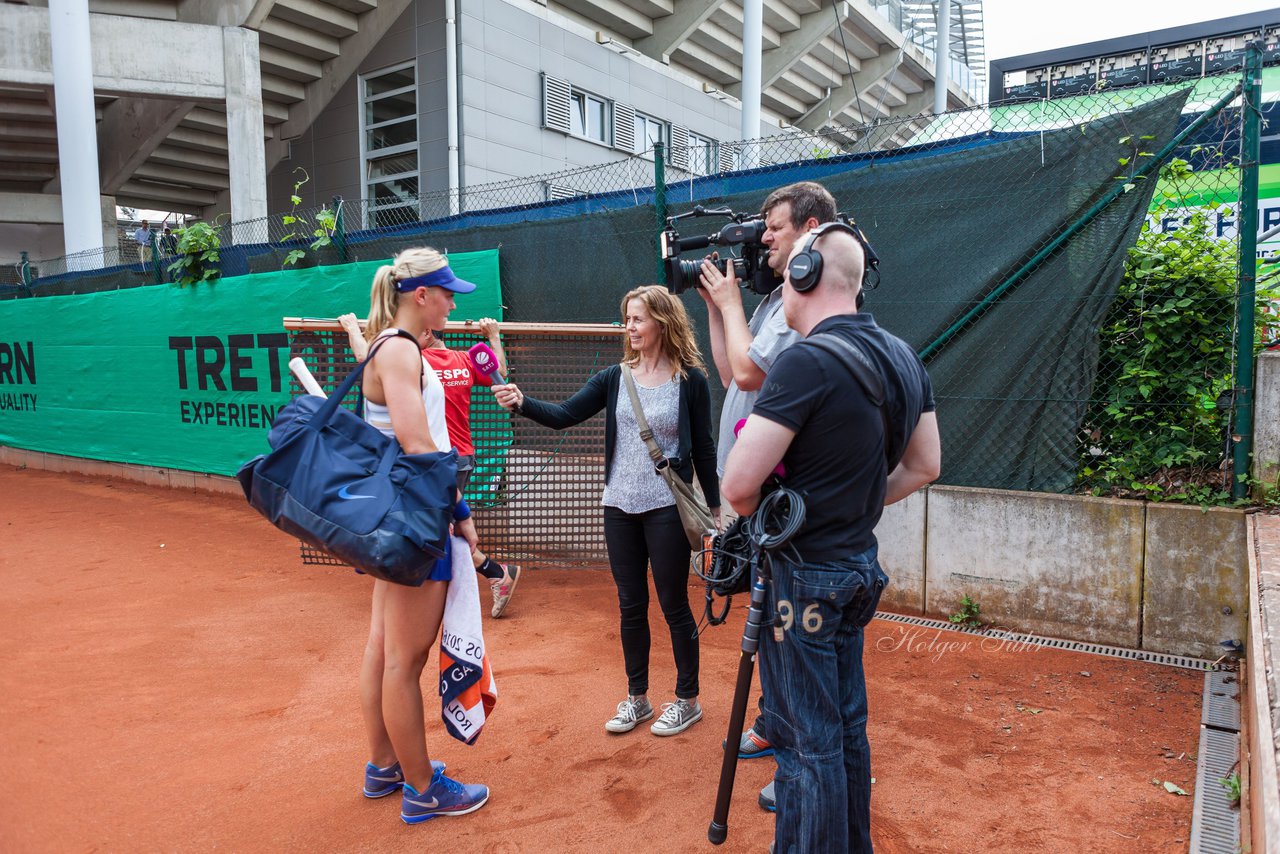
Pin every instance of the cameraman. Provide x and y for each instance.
(744, 352)
(848, 458)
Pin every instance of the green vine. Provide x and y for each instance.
(198, 248)
(321, 230)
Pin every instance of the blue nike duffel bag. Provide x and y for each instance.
(336, 482)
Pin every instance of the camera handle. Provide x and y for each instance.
(719, 829)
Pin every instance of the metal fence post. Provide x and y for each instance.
(339, 229)
(157, 268)
(1251, 114)
(659, 202)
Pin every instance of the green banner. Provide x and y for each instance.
(186, 378)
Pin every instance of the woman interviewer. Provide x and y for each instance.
(641, 524)
(404, 399)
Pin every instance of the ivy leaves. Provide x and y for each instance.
(1165, 359)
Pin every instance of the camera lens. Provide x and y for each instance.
(682, 275)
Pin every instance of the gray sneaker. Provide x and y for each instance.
(631, 711)
(767, 799)
(677, 717)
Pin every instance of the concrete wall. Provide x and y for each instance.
(1058, 565)
(330, 149)
(1193, 592)
(1266, 420)
(150, 475)
(505, 47)
(1261, 703)
(1165, 578)
(901, 539)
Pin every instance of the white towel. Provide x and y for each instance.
(468, 691)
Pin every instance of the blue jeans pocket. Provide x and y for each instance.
(871, 601)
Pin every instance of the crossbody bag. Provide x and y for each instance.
(694, 514)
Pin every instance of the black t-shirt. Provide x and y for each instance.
(837, 460)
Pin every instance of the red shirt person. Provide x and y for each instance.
(458, 377)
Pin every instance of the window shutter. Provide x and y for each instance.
(555, 192)
(624, 127)
(679, 155)
(555, 103)
(727, 154)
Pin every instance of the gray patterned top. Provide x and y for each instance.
(634, 486)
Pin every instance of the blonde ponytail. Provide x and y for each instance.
(384, 299)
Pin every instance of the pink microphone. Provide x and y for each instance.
(486, 362)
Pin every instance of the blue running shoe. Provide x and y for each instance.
(443, 797)
(380, 782)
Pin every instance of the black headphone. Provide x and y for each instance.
(805, 269)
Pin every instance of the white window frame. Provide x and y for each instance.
(641, 124)
(368, 155)
(708, 164)
(584, 97)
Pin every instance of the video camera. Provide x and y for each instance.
(750, 266)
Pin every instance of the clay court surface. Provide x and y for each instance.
(173, 679)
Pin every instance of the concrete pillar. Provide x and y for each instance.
(77, 129)
(942, 58)
(1266, 422)
(752, 41)
(110, 234)
(246, 153)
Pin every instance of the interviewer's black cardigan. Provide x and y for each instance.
(696, 449)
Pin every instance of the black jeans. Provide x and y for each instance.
(637, 541)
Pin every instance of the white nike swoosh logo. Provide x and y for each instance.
(429, 805)
(394, 779)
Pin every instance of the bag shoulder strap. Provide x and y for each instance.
(655, 453)
(331, 404)
(422, 369)
(859, 364)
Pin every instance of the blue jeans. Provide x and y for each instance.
(815, 702)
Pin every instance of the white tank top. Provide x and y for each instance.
(432, 401)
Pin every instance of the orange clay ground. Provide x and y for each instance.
(173, 679)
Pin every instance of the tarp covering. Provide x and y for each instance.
(178, 378)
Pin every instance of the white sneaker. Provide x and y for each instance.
(677, 717)
(631, 711)
(503, 587)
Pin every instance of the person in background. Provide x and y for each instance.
(168, 242)
(458, 377)
(405, 400)
(642, 527)
(142, 236)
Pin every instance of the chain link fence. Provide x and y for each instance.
(1068, 268)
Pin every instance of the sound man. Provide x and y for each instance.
(849, 458)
